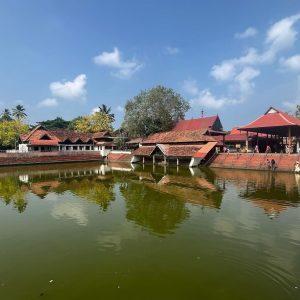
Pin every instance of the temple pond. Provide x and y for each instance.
(89, 231)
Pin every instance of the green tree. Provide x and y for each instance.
(107, 111)
(10, 131)
(297, 113)
(6, 115)
(19, 112)
(57, 123)
(95, 122)
(154, 110)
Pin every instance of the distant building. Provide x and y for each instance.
(212, 125)
(43, 139)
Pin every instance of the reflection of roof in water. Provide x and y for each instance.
(41, 189)
(271, 208)
(273, 192)
(195, 190)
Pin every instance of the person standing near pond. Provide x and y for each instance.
(268, 149)
(273, 164)
(256, 149)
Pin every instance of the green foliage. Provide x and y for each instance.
(95, 122)
(297, 111)
(107, 111)
(11, 191)
(58, 122)
(10, 131)
(154, 110)
(19, 112)
(6, 115)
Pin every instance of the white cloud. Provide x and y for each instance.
(48, 102)
(240, 72)
(244, 82)
(70, 89)
(282, 34)
(204, 97)
(190, 86)
(172, 50)
(291, 63)
(95, 109)
(292, 104)
(249, 32)
(125, 68)
(120, 108)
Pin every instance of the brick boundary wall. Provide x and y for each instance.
(255, 161)
(30, 158)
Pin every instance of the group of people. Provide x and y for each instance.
(271, 164)
(268, 149)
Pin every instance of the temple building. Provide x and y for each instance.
(46, 140)
(280, 129)
(190, 141)
(211, 125)
(236, 140)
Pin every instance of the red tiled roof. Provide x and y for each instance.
(62, 135)
(135, 141)
(272, 118)
(170, 137)
(144, 150)
(195, 124)
(44, 142)
(182, 150)
(205, 150)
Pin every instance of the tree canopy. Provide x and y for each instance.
(297, 113)
(10, 131)
(107, 111)
(58, 122)
(154, 110)
(95, 122)
(19, 112)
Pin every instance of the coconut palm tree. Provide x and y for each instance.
(6, 115)
(19, 112)
(107, 111)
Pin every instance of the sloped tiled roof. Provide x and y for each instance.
(44, 142)
(135, 141)
(183, 150)
(195, 124)
(170, 137)
(62, 135)
(272, 118)
(144, 150)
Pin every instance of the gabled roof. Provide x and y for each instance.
(169, 137)
(273, 121)
(144, 151)
(62, 135)
(195, 124)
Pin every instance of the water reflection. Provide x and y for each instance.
(272, 192)
(142, 187)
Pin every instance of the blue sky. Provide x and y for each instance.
(234, 58)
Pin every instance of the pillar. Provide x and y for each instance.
(247, 143)
(165, 160)
(153, 158)
(143, 159)
(177, 161)
(290, 140)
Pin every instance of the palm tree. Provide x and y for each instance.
(6, 115)
(19, 112)
(107, 111)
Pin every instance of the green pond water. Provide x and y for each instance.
(89, 231)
